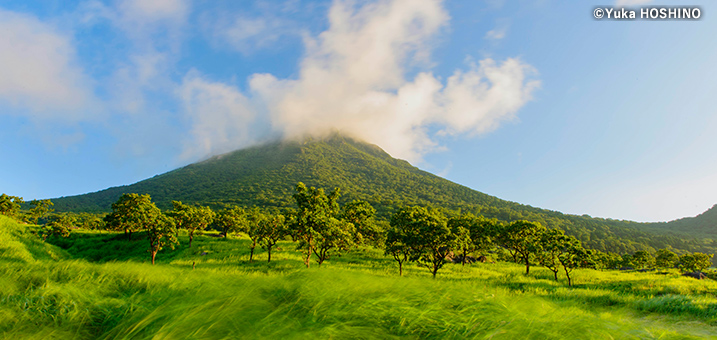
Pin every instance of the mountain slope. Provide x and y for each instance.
(704, 224)
(266, 175)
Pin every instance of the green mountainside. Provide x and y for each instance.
(704, 225)
(266, 175)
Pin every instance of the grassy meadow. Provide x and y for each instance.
(101, 286)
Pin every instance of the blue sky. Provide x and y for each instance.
(531, 101)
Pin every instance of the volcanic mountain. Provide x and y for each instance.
(266, 176)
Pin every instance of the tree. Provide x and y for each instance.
(191, 218)
(251, 228)
(429, 238)
(665, 258)
(572, 255)
(461, 227)
(161, 231)
(397, 244)
(606, 260)
(90, 221)
(271, 229)
(360, 214)
(40, 209)
(58, 225)
(642, 259)
(523, 237)
(132, 212)
(231, 220)
(483, 232)
(550, 242)
(335, 236)
(627, 261)
(695, 262)
(10, 205)
(314, 214)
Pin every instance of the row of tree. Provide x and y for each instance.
(322, 228)
(425, 236)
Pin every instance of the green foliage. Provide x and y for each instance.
(131, 213)
(642, 259)
(695, 262)
(161, 232)
(572, 255)
(360, 214)
(522, 239)
(702, 225)
(461, 227)
(665, 258)
(10, 205)
(58, 225)
(191, 218)
(317, 225)
(39, 209)
(231, 220)
(551, 248)
(271, 229)
(426, 234)
(398, 243)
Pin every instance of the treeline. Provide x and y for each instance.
(322, 227)
(263, 176)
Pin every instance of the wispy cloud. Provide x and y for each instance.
(39, 73)
(246, 34)
(219, 115)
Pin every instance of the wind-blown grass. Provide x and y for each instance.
(358, 295)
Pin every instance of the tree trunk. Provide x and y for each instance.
(268, 251)
(191, 237)
(556, 275)
(154, 253)
(463, 260)
(251, 255)
(527, 265)
(567, 273)
(400, 268)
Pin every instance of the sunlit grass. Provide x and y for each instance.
(357, 295)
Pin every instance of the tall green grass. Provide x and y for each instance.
(358, 295)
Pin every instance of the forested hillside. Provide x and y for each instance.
(266, 176)
(704, 224)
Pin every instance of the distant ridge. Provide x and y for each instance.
(266, 175)
(704, 224)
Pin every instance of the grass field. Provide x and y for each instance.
(102, 286)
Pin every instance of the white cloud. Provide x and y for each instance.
(38, 71)
(220, 116)
(496, 34)
(142, 14)
(148, 23)
(353, 79)
(624, 3)
(136, 78)
(246, 34)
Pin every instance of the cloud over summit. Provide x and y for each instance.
(354, 78)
